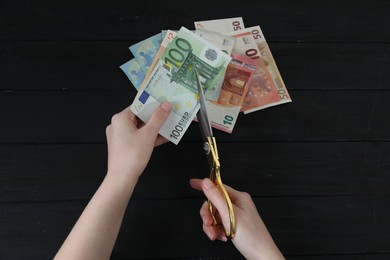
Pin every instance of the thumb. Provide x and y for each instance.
(158, 118)
(216, 197)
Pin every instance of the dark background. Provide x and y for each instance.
(318, 168)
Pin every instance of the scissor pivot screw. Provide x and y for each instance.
(206, 148)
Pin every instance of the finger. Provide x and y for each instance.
(233, 194)
(215, 232)
(213, 193)
(210, 232)
(108, 133)
(216, 215)
(158, 118)
(129, 114)
(205, 214)
(221, 233)
(196, 184)
(108, 130)
(160, 140)
(205, 210)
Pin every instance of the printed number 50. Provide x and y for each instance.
(236, 25)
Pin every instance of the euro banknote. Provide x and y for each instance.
(224, 112)
(221, 25)
(133, 71)
(262, 92)
(223, 42)
(132, 68)
(273, 70)
(172, 79)
(268, 88)
(164, 32)
(145, 51)
(261, 87)
(168, 38)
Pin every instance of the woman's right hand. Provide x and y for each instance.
(252, 238)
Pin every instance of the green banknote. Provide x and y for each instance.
(173, 79)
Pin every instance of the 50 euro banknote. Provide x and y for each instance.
(173, 79)
(263, 91)
(221, 25)
(267, 88)
(257, 99)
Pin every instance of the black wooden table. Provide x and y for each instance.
(318, 168)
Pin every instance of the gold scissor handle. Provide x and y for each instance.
(215, 176)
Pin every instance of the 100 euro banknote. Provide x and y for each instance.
(173, 79)
(223, 42)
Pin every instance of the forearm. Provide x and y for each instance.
(95, 233)
(261, 245)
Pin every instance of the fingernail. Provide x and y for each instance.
(166, 106)
(203, 218)
(223, 239)
(207, 183)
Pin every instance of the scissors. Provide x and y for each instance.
(210, 149)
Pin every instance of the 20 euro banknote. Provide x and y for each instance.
(133, 71)
(144, 51)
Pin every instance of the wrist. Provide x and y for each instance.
(125, 172)
(259, 248)
(122, 180)
(271, 253)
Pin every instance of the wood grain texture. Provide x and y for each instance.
(328, 21)
(94, 65)
(315, 225)
(82, 116)
(74, 171)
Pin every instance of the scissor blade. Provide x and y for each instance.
(202, 117)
